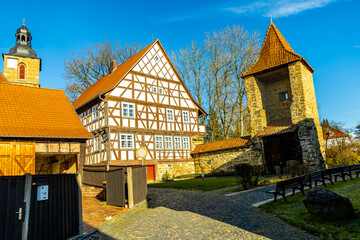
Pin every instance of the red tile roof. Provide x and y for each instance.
(37, 112)
(275, 52)
(337, 134)
(3, 79)
(221, 145)
(110, 81)
(279, 126)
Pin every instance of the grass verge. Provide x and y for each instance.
(208, 184)
(296, 214)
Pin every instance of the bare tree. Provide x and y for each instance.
(85, 68)
(213, 73)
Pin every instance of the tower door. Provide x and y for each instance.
(281, 148)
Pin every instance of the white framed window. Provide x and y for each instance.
(154, 90)
(170, 115)
(185, 116)
(126, 141)
(95, 112)
(128, 109)
(161, 90)
(168, 142)
(97, 144)
(177, 142)
(186, 143)
(159, 142)
(12, 63)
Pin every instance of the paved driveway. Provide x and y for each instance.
(179, 214)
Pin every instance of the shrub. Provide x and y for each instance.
(165, 177)
(346, 154)
(248, 175)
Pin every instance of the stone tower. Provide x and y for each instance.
(282, 105)
(21, 64)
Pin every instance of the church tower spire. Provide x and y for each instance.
(21, 64)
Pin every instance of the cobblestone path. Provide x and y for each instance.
(179, 214)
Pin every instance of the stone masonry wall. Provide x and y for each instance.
(225, 160)
(31, 71)
(253, 89)
(174, 169)
(304, 108)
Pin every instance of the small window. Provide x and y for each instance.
(154, 89)
(23, 38)
(177, 142)
(97, 144)
(283, 96)
(185, 115)
(22, 71)
(170, 115)
(126, 141)
(159, 142)
(331, 133)
(161, 90)
(168, 142)
(156, 58)
(95, 112)
(186, 142)
(128, 110)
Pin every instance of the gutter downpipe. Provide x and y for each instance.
(108, 128)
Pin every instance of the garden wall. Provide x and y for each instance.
(223, 161)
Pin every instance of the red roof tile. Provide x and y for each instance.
(275, 52)
(278, 126)
(336, 134)
(37, 112)
(221, 145)
(110, 81)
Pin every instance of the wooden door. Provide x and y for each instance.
(17, 158)
(281, 148)
(115, 187)
(11, 201)
(150, 173)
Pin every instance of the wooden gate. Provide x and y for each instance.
(11, 201)
(150, 173)
(57, 217)
(17, 158)
(280, 148)
(139, 183)
(115, 187)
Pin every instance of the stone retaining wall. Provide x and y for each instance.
(174, 169)
(224, 161)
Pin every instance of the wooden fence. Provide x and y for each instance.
(26, 214)
(124, 184)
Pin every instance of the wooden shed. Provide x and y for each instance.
(40, 132)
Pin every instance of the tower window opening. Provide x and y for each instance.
(18, 38)
(23, 38)
(21, 72)
(283, 96)
(28, 39)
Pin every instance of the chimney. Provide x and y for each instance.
(113, 65)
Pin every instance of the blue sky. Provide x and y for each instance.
(325, 32)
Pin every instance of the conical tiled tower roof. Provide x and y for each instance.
(275, 52)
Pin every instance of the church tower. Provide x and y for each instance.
(282, 104)
(21, 64)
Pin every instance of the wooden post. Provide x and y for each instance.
(130, 187)
(78, 179)
(27, 202)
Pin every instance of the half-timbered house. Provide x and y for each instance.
(143, 103)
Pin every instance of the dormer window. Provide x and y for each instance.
(331, 133)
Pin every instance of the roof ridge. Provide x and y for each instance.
(122, 70)
(31, 87)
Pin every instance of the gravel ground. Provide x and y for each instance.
(179, 214)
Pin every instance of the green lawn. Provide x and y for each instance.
(209, 183)
(296, 214)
